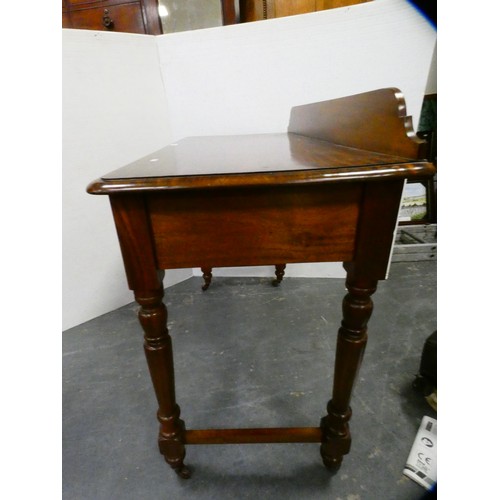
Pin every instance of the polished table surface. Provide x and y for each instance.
(210, 159)
(328, 190)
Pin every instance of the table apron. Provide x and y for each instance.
(254, 226)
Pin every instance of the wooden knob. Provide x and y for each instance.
(106, 20)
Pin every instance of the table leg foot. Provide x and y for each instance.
(183, 472)
(207, 276)
(177, 462)
(280, 272)
(171, 442)
(332, 463)
(336, 438)
(174, 452)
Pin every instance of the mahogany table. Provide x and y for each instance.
(328, 190)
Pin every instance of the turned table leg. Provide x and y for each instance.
(158, 349)
(357, 308)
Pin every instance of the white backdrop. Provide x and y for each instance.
(126, 95)
(114, 111)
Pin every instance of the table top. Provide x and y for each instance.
(251, 160)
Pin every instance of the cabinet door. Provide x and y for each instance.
(124, 18)
(293, 7)
(66, 22)
(333, 4)
(254, 10)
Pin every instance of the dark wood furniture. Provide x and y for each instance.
(328, 190)
(256, 10)
(428, 131)
(139, 16)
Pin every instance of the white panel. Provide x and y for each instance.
(114, 111)
(431, 87)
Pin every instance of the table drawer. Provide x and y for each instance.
(80, 2)
(228, 228)
(123, 18)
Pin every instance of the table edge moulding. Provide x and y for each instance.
(327, 190)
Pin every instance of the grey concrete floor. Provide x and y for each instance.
(247, 355)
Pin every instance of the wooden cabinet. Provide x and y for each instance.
(254, 10)
(139, 16)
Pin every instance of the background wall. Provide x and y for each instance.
(431, 87)
(114, 111)
(126, 95)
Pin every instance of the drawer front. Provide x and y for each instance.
(79, 2)
(254, 226)
(126, 18)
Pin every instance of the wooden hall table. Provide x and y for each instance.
(328, 190)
